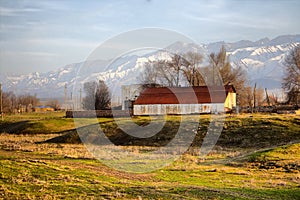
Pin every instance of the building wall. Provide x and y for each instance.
(98, 113)
(129, 92)
(43, 109)
(162, 109)
(230, 101)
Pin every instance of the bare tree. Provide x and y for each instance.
(172, 72)
(259, 96)
(9, 101)
(102, 99)
(28, 101)
(97, 96)
(174, 67)
(162, 72)
(168, 75)
(220, 66)
(291, 80)
(88, 102)
(252, 97)
(149, 76)
(273, 99)
(248, 97)
(192, 71)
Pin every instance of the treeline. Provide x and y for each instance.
(12, 103)
(193, 69)
(190, 69)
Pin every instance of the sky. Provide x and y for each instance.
(46, 35)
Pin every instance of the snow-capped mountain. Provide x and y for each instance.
(262, 60)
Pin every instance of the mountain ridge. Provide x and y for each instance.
(262, 60)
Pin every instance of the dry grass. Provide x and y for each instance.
(29, 143)
(33, 170)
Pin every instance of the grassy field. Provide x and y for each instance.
(256, 157)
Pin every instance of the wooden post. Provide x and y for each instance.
(254, 97)
(65, 97)
(1, 102)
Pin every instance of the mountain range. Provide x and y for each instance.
(262, 60)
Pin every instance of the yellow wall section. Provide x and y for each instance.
(230, 101)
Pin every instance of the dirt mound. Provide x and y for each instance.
(70, 137)
(242, 133)
(94, 134)
(15, 127)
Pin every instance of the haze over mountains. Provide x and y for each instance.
(262, 60)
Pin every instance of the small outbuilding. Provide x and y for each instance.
(43, 109)
(185, 100)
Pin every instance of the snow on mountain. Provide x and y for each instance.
(262, 60)
(264, 64)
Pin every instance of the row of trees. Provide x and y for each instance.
(190, 69)
(219, 71)
(12, 103)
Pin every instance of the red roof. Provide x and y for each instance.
(184, 95)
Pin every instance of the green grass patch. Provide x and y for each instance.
(30, 170)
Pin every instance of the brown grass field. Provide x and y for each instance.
(256, 157)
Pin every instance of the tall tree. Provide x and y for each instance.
(175, 66)
(260, 96)
(175, 71)
(97, 96)
(291, 80)
(222, 72)
(248, 97)
(88, 102)
(102, 99)
(220, 62)
(192, 70)
(9, 102)
(163, 72)
(149, 76)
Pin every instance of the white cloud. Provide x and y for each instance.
(10, 27)
(61, 42)
(5, 11)
(37, 53)
(239, 21)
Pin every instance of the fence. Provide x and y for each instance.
(98, 113)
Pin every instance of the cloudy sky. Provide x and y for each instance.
(45, 35)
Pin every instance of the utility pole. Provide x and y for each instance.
(1, 102)
(65, 97)
(214, 64)
(267, 97)
(80, 100)
(254, 97)
(71, 102)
